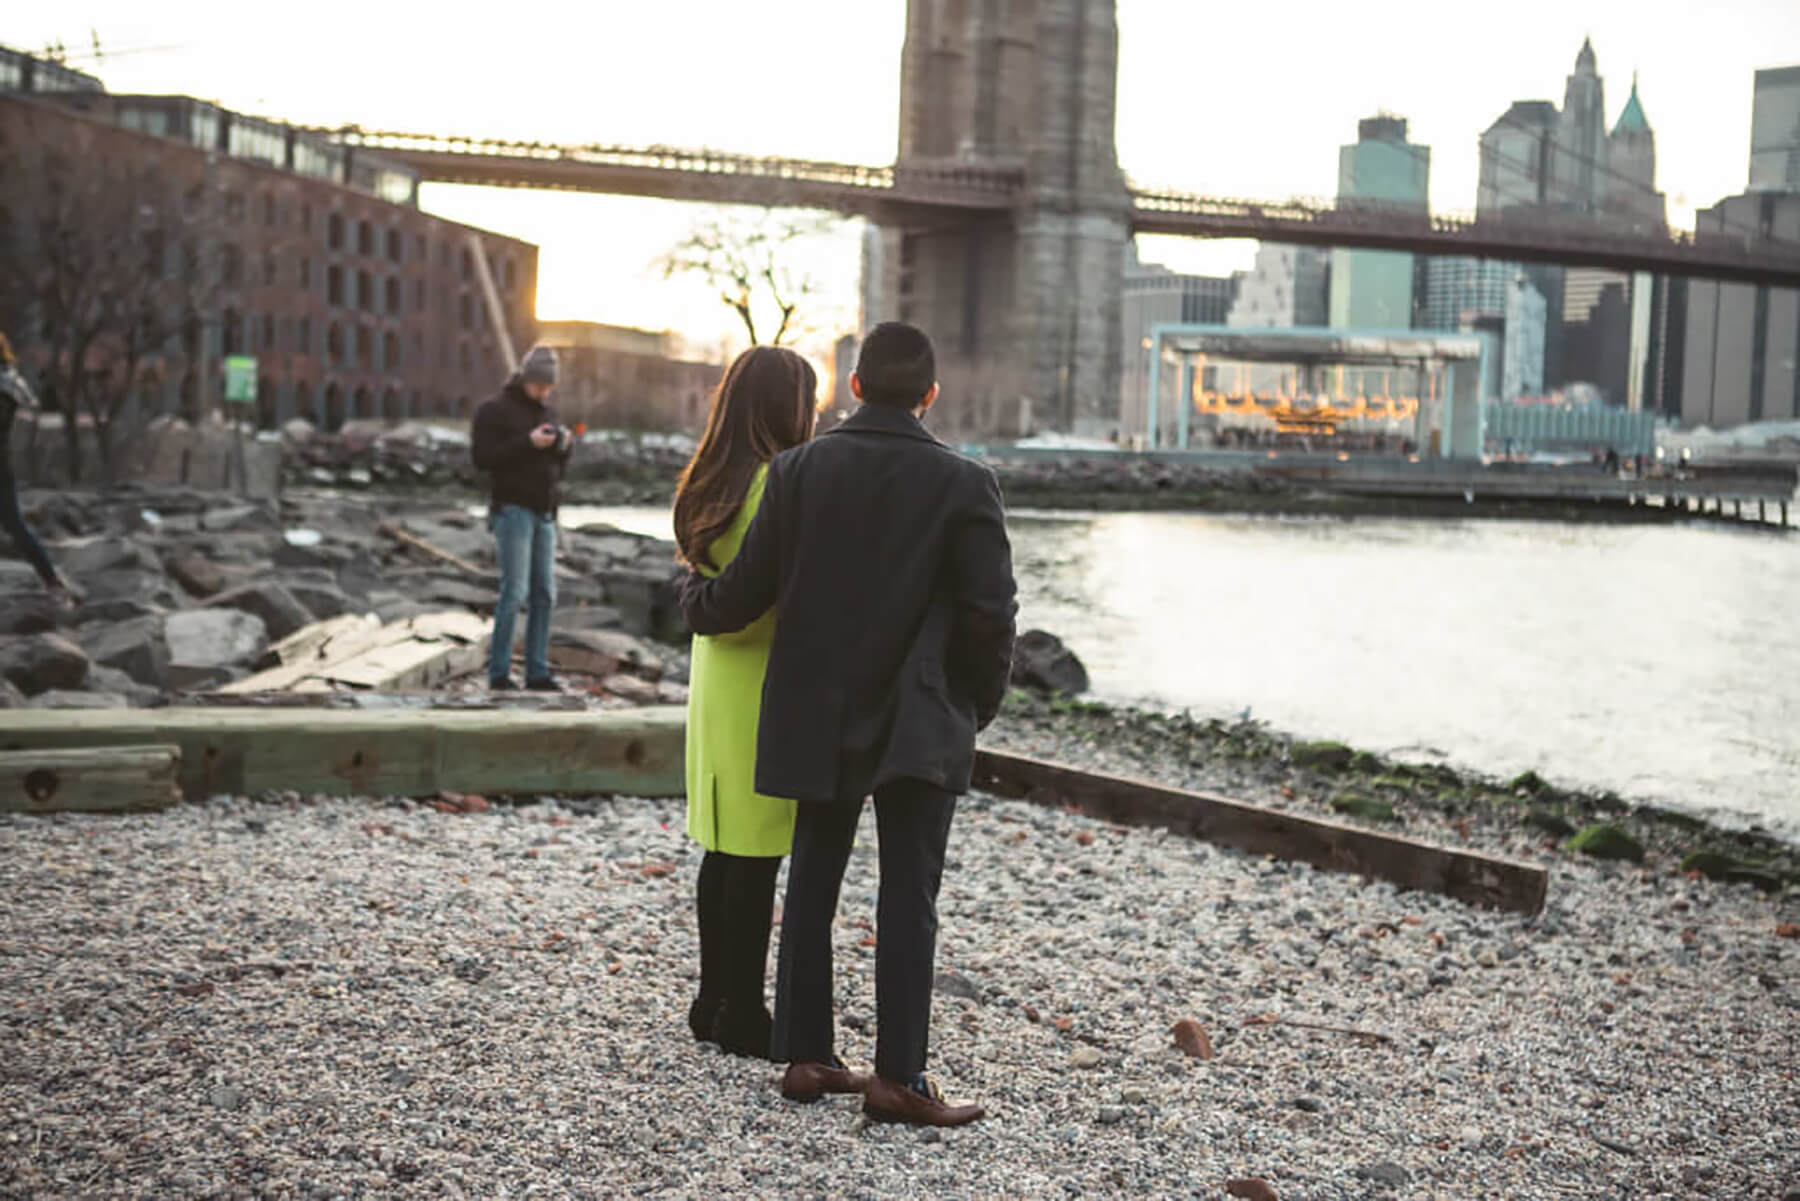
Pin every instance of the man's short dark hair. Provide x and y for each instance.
(896, 365)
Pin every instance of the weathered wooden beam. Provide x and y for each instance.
(90, 779)
(385, 752)
(406, 537)
(424, 652)
(310, 649)
(1466, 876)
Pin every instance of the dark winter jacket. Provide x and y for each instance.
(500, 443)
(884, 555)
(15, 394)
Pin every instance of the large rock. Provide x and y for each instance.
(198, 574)
(203, 641)
(96, 556)
(135, 647)
(322, 555)
(144, 585)
(647, 602)
(30, 612)
(450, 592)
(75, 699)
(240, 517)
(113, 682)
(10, 696)
(605, 653)
(1042, 662)
(25, 608)
(281, 613)
(585, 617)
(323, 601)
(121, 609)
(1604, 841)
(42, 662)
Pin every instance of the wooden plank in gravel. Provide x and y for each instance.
(311, 649)
(1464, 875)
(427, 650)
(386, 752)
(90, 779)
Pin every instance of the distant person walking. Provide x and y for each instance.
(517, 441)
(767, 403)
(16, 396)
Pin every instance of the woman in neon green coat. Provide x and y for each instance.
(766, 403)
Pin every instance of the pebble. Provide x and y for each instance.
(389, 1002)
(1384, 1172)
(1309, 1104)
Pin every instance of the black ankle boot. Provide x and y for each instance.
(703, 1015)
(744, 1030)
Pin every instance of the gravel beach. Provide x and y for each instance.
(306, 997)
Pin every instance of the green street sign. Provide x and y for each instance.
(240, 379)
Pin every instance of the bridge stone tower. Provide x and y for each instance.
(1024, 307)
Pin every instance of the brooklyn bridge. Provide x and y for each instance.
(1005, 214)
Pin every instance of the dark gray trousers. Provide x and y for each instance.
(913, 824)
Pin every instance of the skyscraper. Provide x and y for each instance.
(1541, 162)
(1373, 289)
(1631, 194)
(1742, 340)
(1289, 286)
(1578, 165)
(1775, 131)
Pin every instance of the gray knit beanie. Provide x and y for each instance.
(538, 366)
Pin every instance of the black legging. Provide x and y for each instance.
(735, 900)
(13, 522)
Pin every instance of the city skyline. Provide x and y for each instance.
(1179, 70)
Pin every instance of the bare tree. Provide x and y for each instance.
(87, 263)
(751, 262)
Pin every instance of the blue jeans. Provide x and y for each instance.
(13, 522)
(525, 543)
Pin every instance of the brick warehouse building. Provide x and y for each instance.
(354, 302)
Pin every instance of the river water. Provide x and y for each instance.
(1659, 661)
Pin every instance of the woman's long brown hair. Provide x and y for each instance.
(766, 403)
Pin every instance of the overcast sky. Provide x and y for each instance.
(1234, 99)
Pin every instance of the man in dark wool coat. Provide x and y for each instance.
(884, 555)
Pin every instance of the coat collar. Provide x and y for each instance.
(882, 419)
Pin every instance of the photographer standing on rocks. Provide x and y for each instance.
(16, 395)
(517, 441)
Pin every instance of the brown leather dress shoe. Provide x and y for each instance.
(810, 1081)
(886, 1101)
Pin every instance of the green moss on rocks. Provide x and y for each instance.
(1550, 822)
(1359, 804)
(1604, 841)
(1528, 782)
(1322, 756)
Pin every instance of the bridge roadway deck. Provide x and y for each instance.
(1776, 264)
(882, 194)
(928, 192)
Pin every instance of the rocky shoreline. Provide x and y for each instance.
(619, 469)
(1526, 815)
(186, 591)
